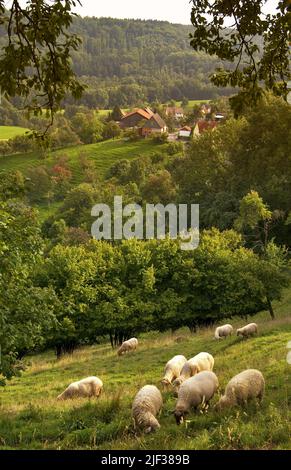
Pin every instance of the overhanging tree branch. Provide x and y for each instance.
(256, 43)
(35, 63)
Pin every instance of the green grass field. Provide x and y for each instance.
(31, 418)
(104, 112)
(192, 103)
(8, 132)
(103, 154)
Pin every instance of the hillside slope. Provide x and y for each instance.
(30, 417)
(8, 132)
(102, 154)
(129, 61)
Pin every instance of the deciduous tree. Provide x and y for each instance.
(255, 43)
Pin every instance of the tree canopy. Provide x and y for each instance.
(35, 59)
(256, 43)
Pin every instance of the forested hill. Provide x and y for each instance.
(113, 47)
(128, 61)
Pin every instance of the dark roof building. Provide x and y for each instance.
(153, 125)
(203, 126)
(134, 118)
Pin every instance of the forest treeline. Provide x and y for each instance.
(124, 62)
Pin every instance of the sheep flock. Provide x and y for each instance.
(192, 381)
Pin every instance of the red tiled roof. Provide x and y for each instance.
(186, 128)
(148, 110)
(204, 126)
(141, 112)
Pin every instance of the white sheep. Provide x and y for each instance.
(127, 346)
(85, 388)
(173, 369)
(247, 330)
(223, 331)
(146, 406)
(196, 391)
(247, 385)
(198, 363)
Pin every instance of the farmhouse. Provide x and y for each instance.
(153, 126)
(177, 113)
(203, 126)
(145, 120)
(134, 118)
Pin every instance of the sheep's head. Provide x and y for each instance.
(153, 425)
(177, 382)
(60, 397)
(179, 416)
(223, 403)
(165, 383)
(238, 332)
(176, 385)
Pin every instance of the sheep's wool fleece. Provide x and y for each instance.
(148, 399)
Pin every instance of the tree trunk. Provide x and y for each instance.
(120, 338)
(270, 308)
(59, 351)
(192, 328)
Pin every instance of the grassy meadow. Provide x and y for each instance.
(31, 418)
(104, 112)
(191, 104)
(103, 154)
(8, 132)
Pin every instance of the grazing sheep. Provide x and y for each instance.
(86, 388)
(194, 392)
(146, 405)
(247, 330)
(243, 387)
(127, 346)
(198, 363)
(173, 369)
(223, 331)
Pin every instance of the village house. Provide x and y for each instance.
(203, 126)
(134, 118)
(146, 121)
(155, 125)
(176, 113)
(185, 133)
